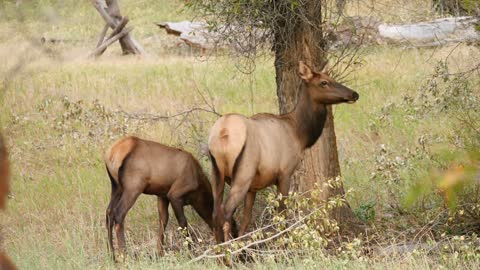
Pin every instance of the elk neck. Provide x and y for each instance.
(308, 118)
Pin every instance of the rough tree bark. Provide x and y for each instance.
(297, 40)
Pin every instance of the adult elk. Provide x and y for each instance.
(255, 152)
(138, 166)
(5, 263)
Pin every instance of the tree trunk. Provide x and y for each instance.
(297, 40)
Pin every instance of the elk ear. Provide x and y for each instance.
(325, 68)
(304, 71)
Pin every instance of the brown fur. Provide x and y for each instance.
(137, 166)
(262, 150)
(4, 174)
(5, 262)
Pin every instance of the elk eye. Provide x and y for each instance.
(323, 83)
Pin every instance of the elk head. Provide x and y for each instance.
(323, 89)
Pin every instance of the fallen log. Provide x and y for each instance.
(194, 34)
(433, 33)
(177, 28)
(352, 31)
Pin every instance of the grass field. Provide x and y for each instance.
(59, 114)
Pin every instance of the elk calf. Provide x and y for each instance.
(255, 152)
(137, 166)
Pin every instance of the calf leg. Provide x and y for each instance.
(163, 217)
(116, 194)
(120, 211)
(175, 195)
(177, 205)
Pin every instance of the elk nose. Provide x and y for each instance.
(355, 96)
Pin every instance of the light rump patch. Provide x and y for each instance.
(117, 153)
(226, 140)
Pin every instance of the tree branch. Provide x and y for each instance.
(102, 35)
(98, 51)
(100, 8)
(291, 227)
(140, 116)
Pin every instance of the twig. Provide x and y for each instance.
(475, 68)
(140, 116)
(210, 105)
(291, 227)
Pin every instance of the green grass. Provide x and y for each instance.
(55, 217)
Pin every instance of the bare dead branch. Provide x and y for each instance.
(206, 255)
(102, 35)
(100, 8)
(142, 116)
(98, 51)
(128, 43)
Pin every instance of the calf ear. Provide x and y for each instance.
(304, 71)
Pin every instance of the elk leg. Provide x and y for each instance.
(175, 195)
(247, 212)
(177, 205)
(116, 194)
(283, 187)
(237, 193)
(163, 216)
(120, 211)
(218, 185)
